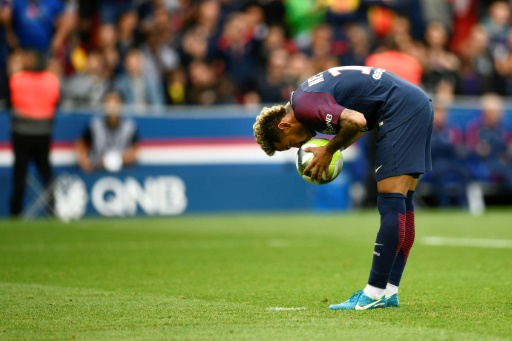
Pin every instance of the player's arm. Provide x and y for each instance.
(82, 151)
(353, 140)
(351, 126)
(64, 25)
(130, 154)
(6, 22)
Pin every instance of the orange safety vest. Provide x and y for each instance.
(34, 95)
(401, 64)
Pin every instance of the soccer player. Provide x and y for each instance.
(346, 102)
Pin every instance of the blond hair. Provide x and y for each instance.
(266, 131)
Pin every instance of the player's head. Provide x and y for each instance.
(492, 109)
(277, 129)
(33, 60)
(112, 104)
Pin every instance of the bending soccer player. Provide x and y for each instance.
(347, 102)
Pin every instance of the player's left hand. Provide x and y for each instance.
(320, 162)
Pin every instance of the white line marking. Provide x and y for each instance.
(467, 242)
(286, 308)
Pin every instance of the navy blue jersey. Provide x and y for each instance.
(384, 99)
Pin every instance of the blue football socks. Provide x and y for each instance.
(390, 237)
(403, 253)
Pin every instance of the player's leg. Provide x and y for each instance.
(19, 171)
(401, 152)
(391, 205)
(422, 130)
(403, 252)
(42, 161)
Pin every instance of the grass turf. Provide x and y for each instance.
(221, 277)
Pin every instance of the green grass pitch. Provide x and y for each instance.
(250, 277)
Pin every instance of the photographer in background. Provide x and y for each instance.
(34, 98)
(109, 142)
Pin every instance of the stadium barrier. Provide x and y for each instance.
(189, 161)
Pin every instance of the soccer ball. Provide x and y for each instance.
(304, 157)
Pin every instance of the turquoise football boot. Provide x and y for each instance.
(392, 301)
(359, 301)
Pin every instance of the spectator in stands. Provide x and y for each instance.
(109, 142)
(321, 42)
(107, 45)
(255, 17)
(207, 87)
(138, 89)
(298, 68)
(88, 88)
(478, 74)
(176, 87)
(271, 84)
(496, 25)
(111, 10)
(275, 39)
(487, 139)
(194, 46)
(238, 50)
(359, 44)
(34, 97)
(390, 58)
(449, 176)
(302, 17)
(439, 11)
(160, 59)
(236, 38)
(208, 18)
(125, 33)
(441, 64)
(41, 25)
(401, 34)
(4, 49)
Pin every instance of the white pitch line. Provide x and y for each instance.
(286, 308)
(467, 242)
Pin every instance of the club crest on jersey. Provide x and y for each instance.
(328, 122)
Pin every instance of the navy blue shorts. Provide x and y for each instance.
(406, 148)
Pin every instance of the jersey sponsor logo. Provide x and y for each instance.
(161, 195)
(328, 122)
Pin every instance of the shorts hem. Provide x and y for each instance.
(389, 175)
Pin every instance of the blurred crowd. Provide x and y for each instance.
(149, 54)
(471, 155)
(203, 52)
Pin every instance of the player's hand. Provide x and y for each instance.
(319, 164)
(86, 165)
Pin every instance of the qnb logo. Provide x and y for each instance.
(328, 122)
(164, 195)
(70, 196)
